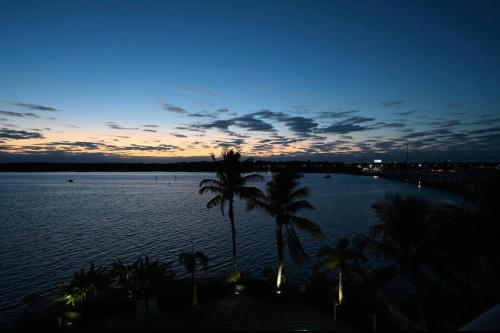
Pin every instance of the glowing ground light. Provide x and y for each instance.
(239, 289)
(341, 292)
(279, 279)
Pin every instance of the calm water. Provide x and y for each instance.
(50, 228)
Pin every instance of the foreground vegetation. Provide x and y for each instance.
(442, 261)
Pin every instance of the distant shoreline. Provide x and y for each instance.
(202, 166)
(247, 166)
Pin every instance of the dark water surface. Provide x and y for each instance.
(50, 228)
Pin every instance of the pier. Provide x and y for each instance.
(464, 183)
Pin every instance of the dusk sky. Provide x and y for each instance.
(320, 80)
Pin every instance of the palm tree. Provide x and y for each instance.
(283, 200)
(403, 237)
(342, 257)
(190, 260)
(228, 184)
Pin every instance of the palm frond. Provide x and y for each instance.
(295, 246)
(297, 206)
(300, 193)
(211, 182)
(211, 189)
(248, 193)
(307, 226)
(214, 201)
(252, 178)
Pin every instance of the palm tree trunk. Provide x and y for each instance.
(281, 263)
(420, 302)
(233, 233)
(341, 291)
(195, 291)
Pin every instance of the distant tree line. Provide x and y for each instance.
(248, 165)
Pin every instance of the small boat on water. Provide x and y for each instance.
(70, 180)
(327, 176)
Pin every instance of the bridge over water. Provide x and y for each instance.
(463, 182)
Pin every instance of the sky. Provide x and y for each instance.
(98, 81)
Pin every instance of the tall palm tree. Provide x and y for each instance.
(229, 184)
(403, 237)
(191, 260)
(283, 200)
(344, 258)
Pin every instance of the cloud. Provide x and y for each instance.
(352, 124)
(485, 130)
(184, 128)
(202, 115)
(445, 123)
(175, 109)
(299, 125)
(335, 115)
(407, 113)
(151, 126)
(383, 124)
(248, 122)
(19, 114)
(393, 104)
(114, 125)
(178, 135)
(36, 107)
(150, 130)
(6, 133)
(85, 145)
(236, 143)
(197, 91)
(135, 147)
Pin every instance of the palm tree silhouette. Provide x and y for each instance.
(342, 257)
(190, 260)
(283, 200)
(228, 184)
(404, 237)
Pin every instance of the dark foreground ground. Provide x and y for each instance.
(229, 314)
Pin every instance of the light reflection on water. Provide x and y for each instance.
(50, 228)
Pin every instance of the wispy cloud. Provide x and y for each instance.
(114, 125)
(175, 109)
(335, 114)
(36, 107)
(178, 135)
(7, 133)
(196, 91)
(19, 114)
(407, 113)
(393, 104)
(349, 125)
